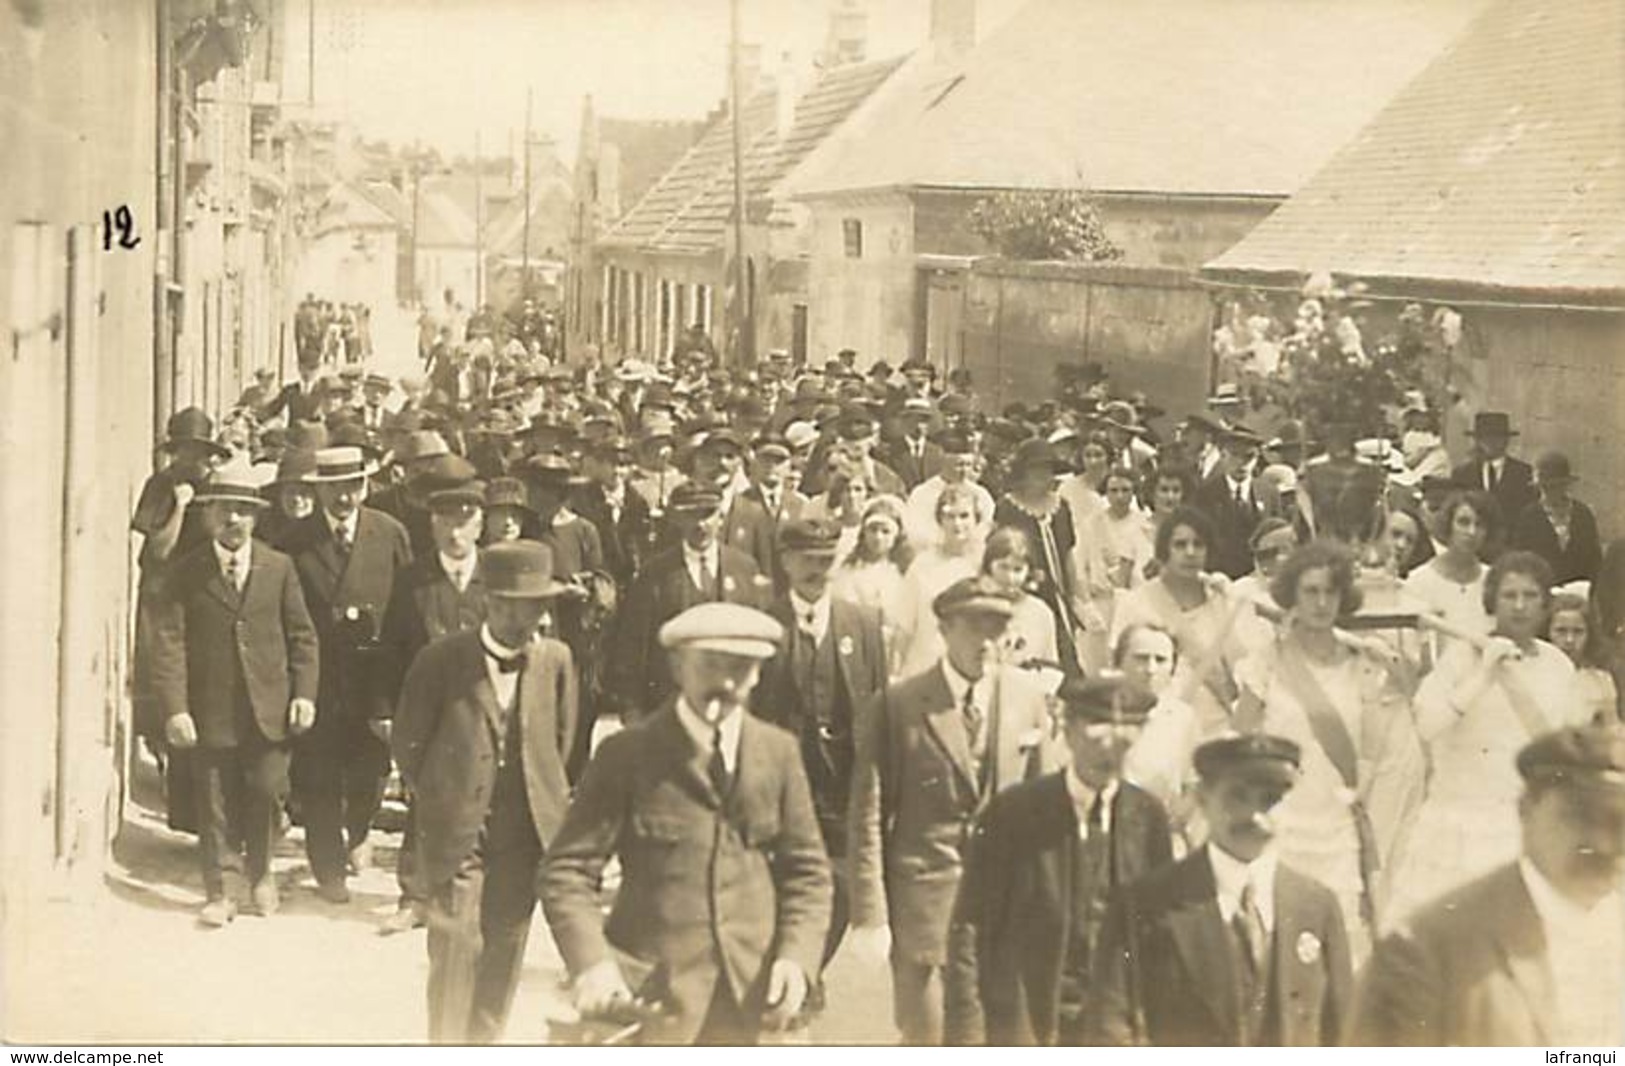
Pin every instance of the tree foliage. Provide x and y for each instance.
(1044, 224)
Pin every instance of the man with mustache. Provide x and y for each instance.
(1227, 947)
(1530, 953)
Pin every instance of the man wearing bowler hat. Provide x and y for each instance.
(1558, 527)
(1039, 871)
(1227, 497)
(725, 891)
(1509, 481)
(235, 671)
(1531, 953)
(833, 662)
(348, 556)
(1227, 947)
(931, 751)
(485, 718)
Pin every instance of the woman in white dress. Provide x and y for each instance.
(843, 504)
(957, 555)
(872, 573)
(1452, 582)
(1573, 631)
(1348, 709)
(1008, 559)
(1271, 543)
(1477, 708)
(1194, 606)
(1108, 547)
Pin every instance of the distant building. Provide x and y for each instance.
(1493, 183)
(508, 244)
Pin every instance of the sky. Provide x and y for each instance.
(436, 71)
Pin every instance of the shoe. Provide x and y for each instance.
(360, 857)
(265, 901)
(333, 892)
(408, 917)
(218, 913)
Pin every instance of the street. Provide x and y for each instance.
(135, 967)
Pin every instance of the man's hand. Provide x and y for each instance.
(301, 715)
(181, 731)
(872, 943)
(786, 992)
(183, 494)
(380, 728)
(600, 988)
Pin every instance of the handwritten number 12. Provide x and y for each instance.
(123, 221)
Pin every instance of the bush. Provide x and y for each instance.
(1044, 224)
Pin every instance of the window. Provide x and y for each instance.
(852, 234)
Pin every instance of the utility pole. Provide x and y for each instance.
(524, 282)
(310, 45)
(479, 228)
(744, 345)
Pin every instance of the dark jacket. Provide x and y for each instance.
(1515, 491)
(423, 607)
(754, 529)
(1165, 966)
(209, 641)
(900, 457)
(623, 541)
(1013, 919)
(447, 738)
(711, 888)
(1232, 521)
(1532, 531)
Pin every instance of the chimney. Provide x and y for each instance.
(953, 27)
(847, 41)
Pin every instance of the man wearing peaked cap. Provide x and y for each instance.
(1228, 947)
(932, 750)
(235, 670)
(761, 509)
(708, 810)
(698, 567)
(1529, 953)
(348, 556)
(1046, 856)
(913, 455)
(486, 716)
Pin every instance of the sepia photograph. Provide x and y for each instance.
(811, 523)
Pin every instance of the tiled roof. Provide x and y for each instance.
(1237, 97)
(647, 149)
(689, 207)
(1501, 166)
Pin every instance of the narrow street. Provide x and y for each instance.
(313, 974)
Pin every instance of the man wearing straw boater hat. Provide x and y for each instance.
(235, 668)
(348, 556)
(485, 718)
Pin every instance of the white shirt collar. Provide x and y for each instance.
(815, 613)
(495, 647)
(1083, 801)
(348, 525)
(240, 556)
(701, 731)
(460, 571)
(1231, 875)
(958, 683)
(1557, 910)
(694, 556)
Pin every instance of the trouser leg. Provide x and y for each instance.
(506, 907)
(727, 1023)
(317, 775)
(917, 1002)
(455, 943)
(839, 915)
(406, 863)
(265, 787)
(217, 792)
(365, 773)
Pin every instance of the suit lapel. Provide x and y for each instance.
(1522, 946)
(1198, 932)
(1290, 973)
(216, 584)
(484, 694)
(947, 727)
(688, 761)
(534, 706)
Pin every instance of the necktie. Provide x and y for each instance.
(717, 767)
(1490, 479)
(510, 664)
(1249, 926)
(233, 574)
(973, 724)
(808, 626)
(342, 539)
(708, 578)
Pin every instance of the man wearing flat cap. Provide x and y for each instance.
(698, 569)
(440, 593)
(1228, 947)
(932, 750)
(347, 555)
(833, 662)
(235, 674)
(1531, 953)
(725, 891)
(485, 718)
(1046, 856)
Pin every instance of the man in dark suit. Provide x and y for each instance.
(1508, 480)
(235, 667)
(699, 569)
(931, 751)
(725, 894)
(757, 513)
(1530, 953)
(440, 593)
(1044, 861)
(1227, 947)
(833, 663)
(485, 719)
(1228, 499)
(348, 556)
(302, 400)
(620, 514)
(913, 456)
(1559, 528)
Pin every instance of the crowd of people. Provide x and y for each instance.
(334, 334)
(1096, 726)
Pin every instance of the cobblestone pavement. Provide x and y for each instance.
(133, 966)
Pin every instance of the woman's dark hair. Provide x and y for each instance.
(1592, 654)
(1169, 472)
(1192, 518)
(1422, 550)
(1483, 505)
(1529, 565)
(902, 552)
(1318, 555)
(1007, 542)
(1119, 474)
